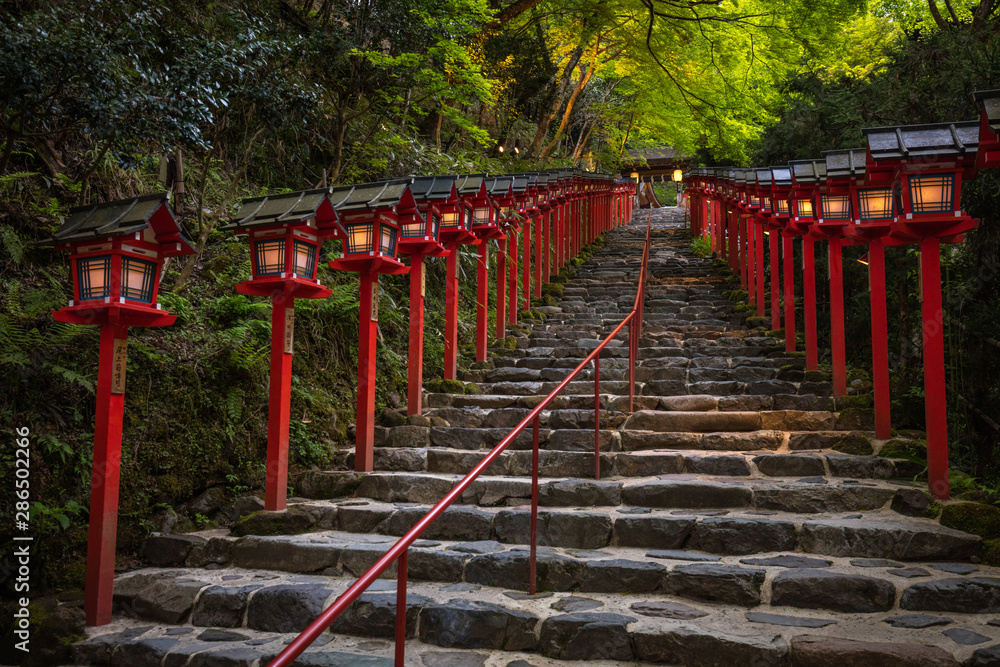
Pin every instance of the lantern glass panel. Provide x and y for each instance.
(450, 220)
(835, 208)
(803, 208)
(270, 257)
(137, 279)
(932, 194)
(435, 225)
(468, 218)
(304, 259)
(482, 216)
(875, 204)
(754, 200)
(93, 277)
(779, 206)
(413, 229)
(387, 240)
(359, 238)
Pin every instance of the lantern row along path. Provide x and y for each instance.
(741, 517)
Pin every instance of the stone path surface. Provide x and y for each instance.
(743, 516)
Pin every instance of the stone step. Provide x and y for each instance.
(566, 454)
(673, 491)
(679, 403)
(783, 579)
(258, 617)
(661, 421)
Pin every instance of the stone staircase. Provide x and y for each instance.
(742, 517)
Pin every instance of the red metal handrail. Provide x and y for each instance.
(400, 549)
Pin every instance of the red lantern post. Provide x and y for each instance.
(475, 210)
(285, 232)
(437, 201)
(928, 163)
(781, 187)
(116, 257)
(761, 219)
(844, 168)
(370, 215)
(807, 175)
(488, 226)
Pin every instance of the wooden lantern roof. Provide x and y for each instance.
(847, 163)
(286, 208)
(438, 189)
(923, 142)
(989, 104)
(781, 177)
(377, 196)
(471, 185)
(122, 217)
(808, 172)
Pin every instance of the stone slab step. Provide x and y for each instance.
(812, 495)
(570, 454)
(876, 534)
(597, 628)
(231, 596)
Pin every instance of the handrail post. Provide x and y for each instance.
(632, 354)
(534, 508)
(597, 416)
(401, 575)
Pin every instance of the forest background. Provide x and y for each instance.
(266, 96)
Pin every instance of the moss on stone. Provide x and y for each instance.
(904, 449)
(776, 333)
(444, 386)
(755, 322)
(292, 521)
(546, 300)
(392, 418)
(510, 343)
(555, 289)
(857, 401)
(857, 445)
(991, 552)
(976, 518)
(472, 388)
(743, 308)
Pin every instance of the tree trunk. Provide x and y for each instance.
(543, 125)
(581, 84)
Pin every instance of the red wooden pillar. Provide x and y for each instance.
(935, 400)
(788, 257)
(364, 449)
(751, 261)
(547, 242)
(837, 346)
(279, 404)
(512, 277)
(501, 323)
(103, 531)
(720, 246)
(742, 232)
(758, 244)
(809, 301)
(539, 223)
(556, 238)
(775, 278)
(526, 266)
(880, 338)
(415, 359)
(451, 316)
(733, 245)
